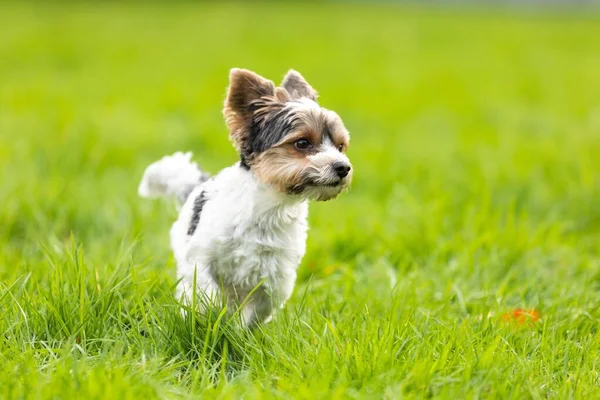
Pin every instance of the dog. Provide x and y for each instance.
(241, 234)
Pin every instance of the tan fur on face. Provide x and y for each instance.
(315, 123)
(307, 133)
(281, 167)
(306, 173)
(337, 130)
(290, 172)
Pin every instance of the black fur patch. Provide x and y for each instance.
(270, 124)
(244, 164)
(198, 205)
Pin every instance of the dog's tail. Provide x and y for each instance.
(172, 176)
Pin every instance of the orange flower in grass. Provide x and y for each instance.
(521, 316)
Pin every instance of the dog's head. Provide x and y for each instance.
(285, 137)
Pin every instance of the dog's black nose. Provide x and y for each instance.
(341, 168)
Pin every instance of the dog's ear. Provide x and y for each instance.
(244, 87)
(297, 86)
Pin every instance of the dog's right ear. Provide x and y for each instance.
(244, 87)
(297, 86)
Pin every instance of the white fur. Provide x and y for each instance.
(173, 175)
(250, 237)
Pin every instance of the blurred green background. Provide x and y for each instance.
(475, 137)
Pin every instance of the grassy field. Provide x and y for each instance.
(476, 146)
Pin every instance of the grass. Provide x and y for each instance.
(476, 143)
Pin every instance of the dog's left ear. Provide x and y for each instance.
(245, 87)
(297, 86)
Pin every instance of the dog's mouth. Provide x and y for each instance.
(298, 189)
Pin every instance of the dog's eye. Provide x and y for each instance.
(303, 144)
(341, 148)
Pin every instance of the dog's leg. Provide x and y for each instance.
(258, 309)
(267, 299)
(207, 291)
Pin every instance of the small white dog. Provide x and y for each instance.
(242, 233)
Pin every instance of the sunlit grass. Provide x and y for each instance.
(475, 140)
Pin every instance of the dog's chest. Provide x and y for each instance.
(246, 235)
(270, 245)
